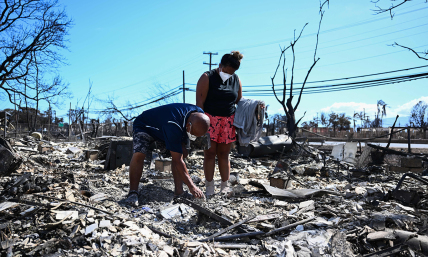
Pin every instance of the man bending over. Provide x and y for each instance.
(170, 126)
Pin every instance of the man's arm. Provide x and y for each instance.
(177, 161)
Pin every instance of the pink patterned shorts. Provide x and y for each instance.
(221, 129)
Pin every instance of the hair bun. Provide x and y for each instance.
(237, 55)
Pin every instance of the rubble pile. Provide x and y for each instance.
(61, 200)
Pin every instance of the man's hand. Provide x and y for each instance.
(196, 192)
(181, 175)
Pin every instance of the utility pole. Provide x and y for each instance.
(69, 125)
(50, 117)
(16, 114)
(184, 90)
(210, 63)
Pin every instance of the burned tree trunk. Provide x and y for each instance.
(116, 129)
(287, 105)
(95, 126)
(126, 128)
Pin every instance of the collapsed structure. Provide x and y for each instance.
(63, 199)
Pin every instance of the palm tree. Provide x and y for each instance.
(381, 109)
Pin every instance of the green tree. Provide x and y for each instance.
(417, 114)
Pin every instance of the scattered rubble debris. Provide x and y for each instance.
(64, 199)
(9, 160)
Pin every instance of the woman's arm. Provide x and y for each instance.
(202, 90)
(239, 92)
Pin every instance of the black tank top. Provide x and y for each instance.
(221, 96)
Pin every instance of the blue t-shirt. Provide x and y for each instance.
(166, 123)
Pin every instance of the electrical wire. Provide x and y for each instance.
(338, 87)
(338, 79)
(148, 99)
(322, 32)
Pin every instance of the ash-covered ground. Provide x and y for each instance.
(60, 203)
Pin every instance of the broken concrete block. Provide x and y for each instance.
(361, 191)
(411, 162)
(105, 224)
(277, 182)
(91, 155)
(62, 214)
(173, 211)
(98, 197)
(89, 229)
(119, 153)
(282, 183)
(405, 169)
(163, 165)
(73, 150)
(380, 235)
(169, 250)
(43, 149)
(309, 205)
(91, 213)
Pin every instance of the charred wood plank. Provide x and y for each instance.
(227, 229)
(390, 151)
(389, 251)
(231, 237)
(209, 213)
(289, 226)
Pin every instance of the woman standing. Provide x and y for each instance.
(217, 92)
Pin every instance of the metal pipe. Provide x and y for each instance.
(410, 175)
(408, 140)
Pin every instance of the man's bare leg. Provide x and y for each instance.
(136, 170)
(209, 161)
(223, 151)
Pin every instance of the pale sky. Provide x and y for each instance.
(129, 49)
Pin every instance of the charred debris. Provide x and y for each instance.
(287, 199)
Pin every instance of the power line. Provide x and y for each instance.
(336, 51)
(326, 31)
(339, 87)
(163, 97)
(335, 40)
(354, 60)
(148, 99)
(338, 79)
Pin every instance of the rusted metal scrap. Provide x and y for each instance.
(409, 197)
